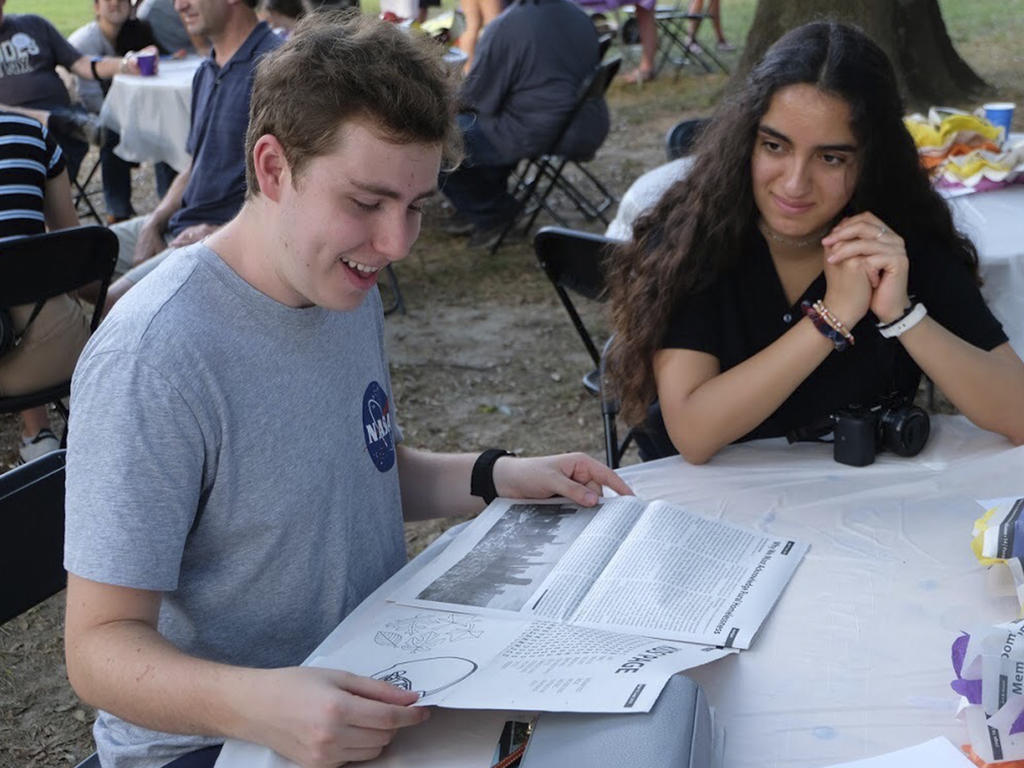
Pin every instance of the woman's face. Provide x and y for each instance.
(805, 161)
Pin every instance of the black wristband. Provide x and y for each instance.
(481, 481)
(92, 65)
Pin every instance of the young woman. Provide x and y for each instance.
(804, 265)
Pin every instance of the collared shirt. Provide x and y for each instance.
(216, 140)
(746, 310)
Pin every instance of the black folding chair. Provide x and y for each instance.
(32, 544)
(681, 137)
(676, 46)
(574, 263)
(85, 190)
(541, 175)
(34, 269)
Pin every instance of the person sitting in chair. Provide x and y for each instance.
(35, 195)
(112, 33)
(530, 65)
(30, 85)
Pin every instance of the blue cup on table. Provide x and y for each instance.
(1000, 114)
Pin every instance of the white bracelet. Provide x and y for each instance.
(905, 323)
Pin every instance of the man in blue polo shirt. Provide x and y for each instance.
(209, 192)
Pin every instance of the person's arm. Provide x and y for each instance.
(987, 386)
(151, 235)
(118, 662)
(705, 409)
(437, 484)
(108, 66)
(58, 208)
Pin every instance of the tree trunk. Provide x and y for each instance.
(911, 32)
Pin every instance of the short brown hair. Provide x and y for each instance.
(339, 66)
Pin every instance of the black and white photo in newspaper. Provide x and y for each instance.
(627, 565)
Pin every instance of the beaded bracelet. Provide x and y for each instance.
(835, 322)
(838, 340)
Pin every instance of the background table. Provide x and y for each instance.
(854, 659)
(152, 114)
(994, 220)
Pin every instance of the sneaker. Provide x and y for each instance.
(725, 46)
(485, 237)
(40, 445)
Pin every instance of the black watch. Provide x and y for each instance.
(481, 481)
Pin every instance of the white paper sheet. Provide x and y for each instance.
(628, 565)
(937, 753)
(469, 661)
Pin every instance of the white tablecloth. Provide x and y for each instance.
(995, 222)
(854, 660)
(152, 113)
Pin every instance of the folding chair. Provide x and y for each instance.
(681, 137)
(37, 268)
(543, 174)
(574, 262)
(84, 191)
(32, 545)
(675, 45)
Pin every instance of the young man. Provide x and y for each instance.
(235, 482)
(206, 194)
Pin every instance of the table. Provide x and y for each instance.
(994, 220)
(151, 114)
(854, 660)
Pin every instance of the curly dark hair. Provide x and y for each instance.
(702, 224)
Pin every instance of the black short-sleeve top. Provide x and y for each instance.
(746, 310)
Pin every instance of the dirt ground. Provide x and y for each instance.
(485, 356)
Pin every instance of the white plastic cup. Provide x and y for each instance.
(1000, 114)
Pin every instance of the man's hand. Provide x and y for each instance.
(573, 475)
(150, 242)
(193, 234)
(323, 717)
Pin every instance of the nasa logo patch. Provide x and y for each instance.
(380, 443)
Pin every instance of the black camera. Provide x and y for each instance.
(894, 424)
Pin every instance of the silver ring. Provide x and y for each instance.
(881, 231)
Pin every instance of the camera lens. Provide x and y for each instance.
(906, 429)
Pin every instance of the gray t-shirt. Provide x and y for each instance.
(167, 26)
(30, 48)
(237, 455)
(90, 41)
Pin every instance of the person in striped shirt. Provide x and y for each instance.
(35, 195)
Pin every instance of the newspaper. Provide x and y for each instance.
(469, 661)
(627, 565)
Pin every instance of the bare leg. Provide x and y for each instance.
(33, 420)
(472, 11)
(696, 7)
(648, 39)
(716, 20)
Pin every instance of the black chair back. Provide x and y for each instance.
(32, 543)
(47, 265)
(574, 262)
(682, 136)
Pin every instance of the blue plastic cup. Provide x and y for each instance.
(1000, 114)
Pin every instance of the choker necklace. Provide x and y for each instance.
(793, 242)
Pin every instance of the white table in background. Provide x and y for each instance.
(854, 660)
(152, 114)
(994, 220)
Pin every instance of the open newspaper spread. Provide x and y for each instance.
(627, 565)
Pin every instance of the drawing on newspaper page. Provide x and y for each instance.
(626, 565)
(514, 663)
